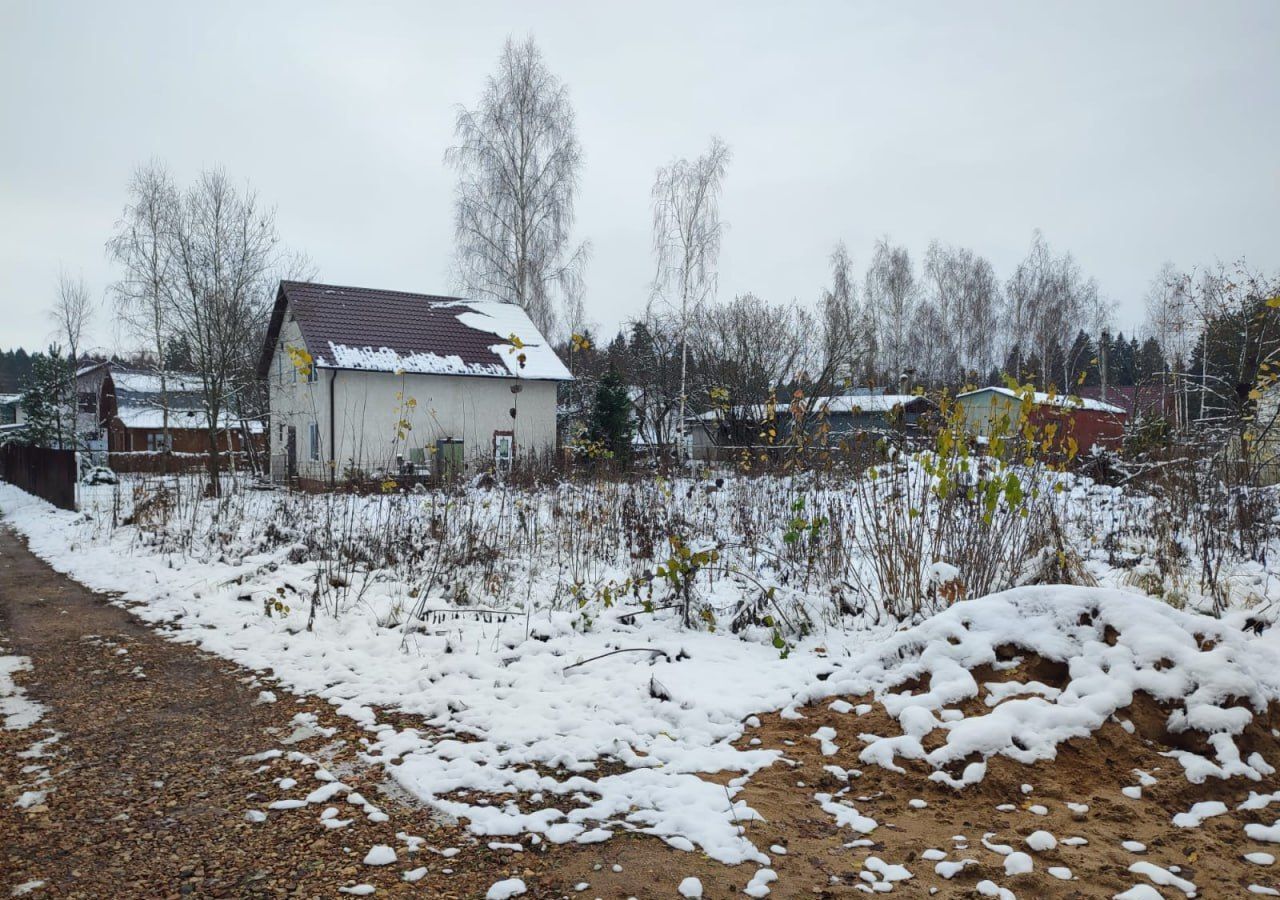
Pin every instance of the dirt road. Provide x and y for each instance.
(148, 788)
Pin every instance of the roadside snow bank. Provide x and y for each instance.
(1210, 676)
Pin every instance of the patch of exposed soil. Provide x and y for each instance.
(819, 863)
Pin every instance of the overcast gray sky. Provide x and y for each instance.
(1131, 133)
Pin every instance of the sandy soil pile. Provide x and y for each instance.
(919, 819)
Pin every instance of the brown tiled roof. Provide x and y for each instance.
(370, 325)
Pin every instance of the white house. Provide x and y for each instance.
(362, 381)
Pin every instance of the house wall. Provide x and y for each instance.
(88, 413)
(984, 411)
(367, 407)
(121, 439)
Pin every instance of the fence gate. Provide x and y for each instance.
(50, 474)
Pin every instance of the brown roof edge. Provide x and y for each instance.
(273, 333)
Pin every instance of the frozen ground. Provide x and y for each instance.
(575, 717)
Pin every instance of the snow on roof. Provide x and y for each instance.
(875, 404)
(10, 398)
(393, 331)
(869, 403)
(1040, 398)
(384, 359)
(503, 320)
(149, 382)
(92, 367)
(152, 418)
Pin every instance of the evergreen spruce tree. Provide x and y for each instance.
(50, 416)
(611, 423)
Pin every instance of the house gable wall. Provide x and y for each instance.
(368, 408)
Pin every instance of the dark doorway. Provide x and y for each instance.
(291, 452)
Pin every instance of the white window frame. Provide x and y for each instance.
(313, 439)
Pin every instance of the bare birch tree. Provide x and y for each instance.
(142, 248)
(1170, 320)
(1101, 311)
(1047, 303)
(518, 159)
(962, 289)
(1023, 293)
(224, 252)
(686, 243)
(891, 294)
(72, 309)
(843, 329)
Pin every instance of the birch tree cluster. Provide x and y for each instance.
(199, 266)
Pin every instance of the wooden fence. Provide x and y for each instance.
(50, 474)
(171, 463)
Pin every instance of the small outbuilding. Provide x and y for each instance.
(1091, 423)
(716, 431)
(364, 382)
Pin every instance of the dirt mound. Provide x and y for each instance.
(1132, 790)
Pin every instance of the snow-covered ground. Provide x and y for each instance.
(537, 637)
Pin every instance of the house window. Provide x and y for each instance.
(313, 442)
(313, 374)
(156, 442)
(504, 445)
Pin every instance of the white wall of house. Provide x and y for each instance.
(368, 407)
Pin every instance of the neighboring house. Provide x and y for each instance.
(844, 416)
(1090, 422)
(362, 381)
(122, 410)
(131, 407)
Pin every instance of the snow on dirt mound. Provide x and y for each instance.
(1104, 648)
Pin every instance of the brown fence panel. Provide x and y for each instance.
(50, 474)
(171, 463)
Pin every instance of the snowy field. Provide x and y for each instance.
(581, 654)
